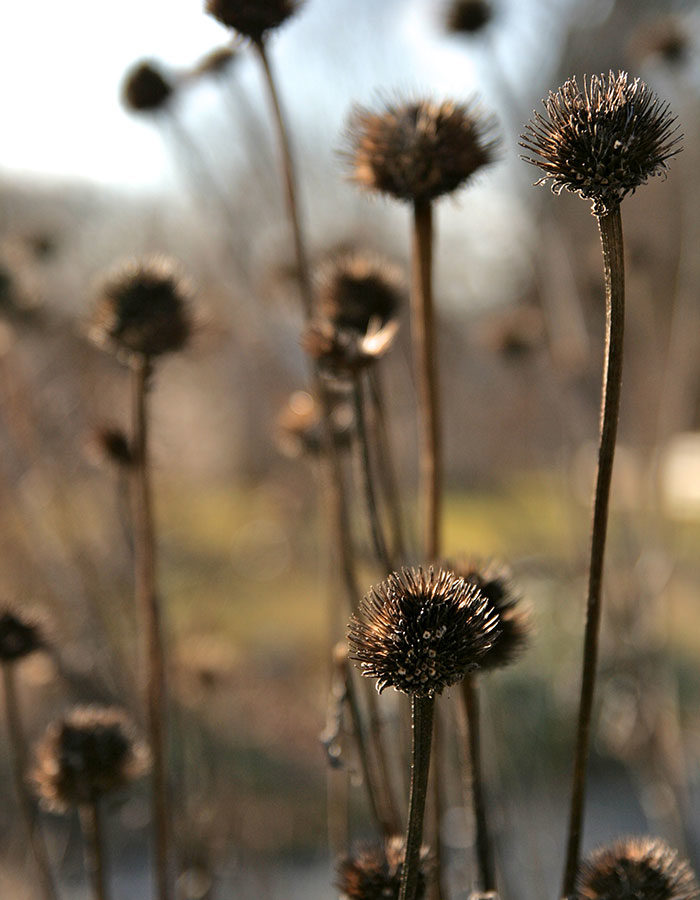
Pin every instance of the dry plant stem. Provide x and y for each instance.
(610, 226)
(289, 183)
(423, 328)
(18, 751)
(422, 709)
(385, 464)
(380, 547)
(436, 780)
(484, 849)
(91, 825)
(149, 608)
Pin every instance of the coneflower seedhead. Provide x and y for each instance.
(373, 872)
(420, 632)
(145, 88)
(89, 752)
(417, 151)
(468, 16)
(355, 288)
(251, 18)
(299, 425)
(604, 141)
(494, 583)
(19, 636)
(143, 308)
(342, 352)
(636, 868)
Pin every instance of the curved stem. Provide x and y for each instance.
(18, 751)
(484, 849)
(288, 171)
(610, 226)
(148, 604)
(91, 825)
(422, 732)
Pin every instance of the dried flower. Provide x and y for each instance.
(420, 631)
(373, 872)
(636, 868)
(145, 88)
(19, 636)
(143, 308)
(468, 16)
(417, 151)
(604, 141)
(355, 288)
(91, 751)
(252, 18)
(494, 583)
(343, 351)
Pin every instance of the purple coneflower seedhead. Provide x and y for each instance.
(418, 151)
(421, 631)
(19, 636)
(143, 308)
(468, 16)
(356, 287)
(636, 868)
(90, 752)
(252, 18)
(603, 141)
(373, 872)
(145, 88)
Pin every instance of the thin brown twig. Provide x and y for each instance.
(91, 825)
(422, 709)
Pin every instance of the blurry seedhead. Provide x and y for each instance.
(634, 868)
(373, 871)
(468, 17)
(343, 352)
(145, 88)
(419, 150)
(357, 287)
(252, 18)
(90, 752)
(144, 308)
(299, 424)
(20, 635)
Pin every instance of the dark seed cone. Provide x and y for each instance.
(252, 18)
(421, 631)
(143, 308)
(355, 288)
(90, 752)
(468, 16)
(19, 636)
(145, 88)
(604, 141)
(373, 872)
(514, 622)
(636, 868)
(417, 151)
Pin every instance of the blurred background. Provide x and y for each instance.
(244, 564)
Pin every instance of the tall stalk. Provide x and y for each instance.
(18, 752)
(91, 825)
(484, 849)
(610, 226)
(422, 709)
(147, 602)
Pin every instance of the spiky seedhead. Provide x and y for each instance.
(145, 88)
(603, 141)
(90, 752)
(468, 16)
(418, 150)
(373, 872)
(20, 635)
(143, 308)
(421, 631)
(636, 868)
(493, 580)
(252, 18)
(356, 287)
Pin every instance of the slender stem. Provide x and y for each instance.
(422, 733)
(18, 750)
(484, 850)
(288, 170)
(378, 540)
(423, 328)
(149, 606)
(610, 226)
(91, 825)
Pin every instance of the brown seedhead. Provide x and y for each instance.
(354, 288)
(373, 871)
(252, 18)
(342, 352)
(468, 16)
(20, 635)
(145, 88)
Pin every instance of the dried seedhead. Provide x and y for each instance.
(299, 425)
(418, 151)
(604, 141)
(145, 88)
(252, 18)
(421, 631)
(373, 871)
(20, 635)
(356, 287)
(634, 868)
(468, 16)
(343, 352)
